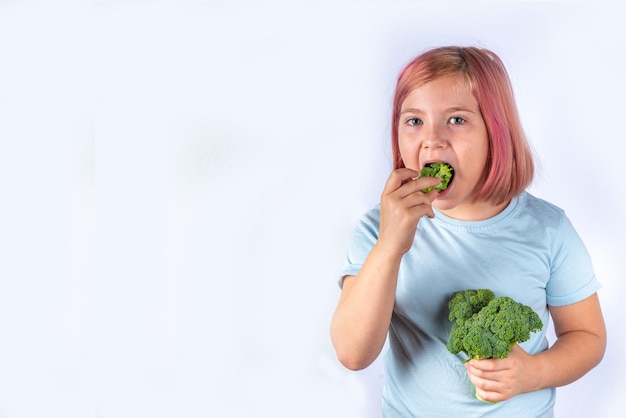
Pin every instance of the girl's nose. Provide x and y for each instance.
(434, 136)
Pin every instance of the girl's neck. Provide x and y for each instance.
(476, 211)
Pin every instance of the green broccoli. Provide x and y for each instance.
(488, 327)
(465, 304)
(443, 171)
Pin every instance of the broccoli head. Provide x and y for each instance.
(490, 330)
(466, 303)
(443, 171)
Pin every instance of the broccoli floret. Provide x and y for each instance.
(443, 171)
(466, 303)
(492, 330)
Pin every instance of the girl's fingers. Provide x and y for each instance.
(399, 177)
(405, 181)
(416, 186)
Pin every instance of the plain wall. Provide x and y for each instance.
(180, 181)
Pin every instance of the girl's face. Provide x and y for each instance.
(441, 121)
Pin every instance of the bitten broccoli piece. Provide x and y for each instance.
(492, 330)
(443, 171)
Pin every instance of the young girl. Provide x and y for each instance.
(414, 249)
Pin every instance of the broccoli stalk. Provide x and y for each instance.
(443, 171)
(488, 327)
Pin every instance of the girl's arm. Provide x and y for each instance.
(361, 321)
(363, 314)
(580, 345)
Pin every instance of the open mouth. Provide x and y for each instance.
(442, 170)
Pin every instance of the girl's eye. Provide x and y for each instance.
(457, 120)
(414, 121)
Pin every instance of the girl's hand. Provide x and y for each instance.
(402, 204)
(500, 379)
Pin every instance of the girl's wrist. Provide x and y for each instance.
(388, 252)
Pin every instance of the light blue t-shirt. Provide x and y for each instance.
(529, 252)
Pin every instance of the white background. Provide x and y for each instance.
(180, 181)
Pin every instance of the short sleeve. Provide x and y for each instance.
(572, 277)
(364, 237)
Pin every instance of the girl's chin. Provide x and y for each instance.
(445, 202)
(442, 206)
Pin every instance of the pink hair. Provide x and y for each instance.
(510, 167)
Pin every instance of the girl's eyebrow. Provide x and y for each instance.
(448, 110)
(460, 109)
